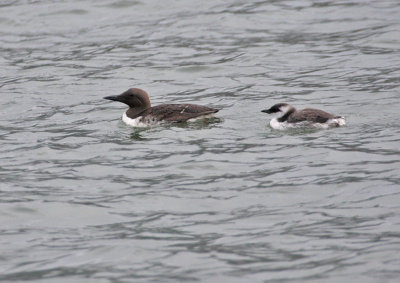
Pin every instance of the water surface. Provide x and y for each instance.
(85, 198)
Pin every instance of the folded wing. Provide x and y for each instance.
(178, 112)
(311, 115)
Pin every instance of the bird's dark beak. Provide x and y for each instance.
(113, 97)
(266, 111)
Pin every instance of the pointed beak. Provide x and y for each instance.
(113, 98)
(266, 111)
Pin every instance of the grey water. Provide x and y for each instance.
(86, 198)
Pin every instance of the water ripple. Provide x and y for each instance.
(85, 197)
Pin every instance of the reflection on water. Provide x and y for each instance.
(86, 197)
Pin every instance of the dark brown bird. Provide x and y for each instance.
(141, 113)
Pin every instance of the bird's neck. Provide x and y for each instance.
(285, 116)
(135, 112)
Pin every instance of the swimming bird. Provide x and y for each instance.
(291, 118)
(142, 114)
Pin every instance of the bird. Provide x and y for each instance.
(142, 114)
(292, 118)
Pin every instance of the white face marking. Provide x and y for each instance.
(282, 111)
(285, 108)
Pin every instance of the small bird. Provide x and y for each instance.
(142, 114)
(291, 118)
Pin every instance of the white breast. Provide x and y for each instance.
(275, 124)
(139, 121)
(338, 121)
